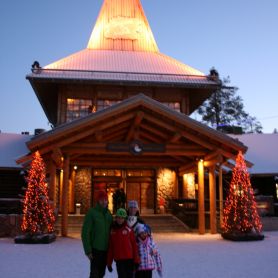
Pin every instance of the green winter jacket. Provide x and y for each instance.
(96, 229)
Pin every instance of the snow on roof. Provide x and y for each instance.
(122, 48)
(122, 65)
(12, 146)
(262, 151)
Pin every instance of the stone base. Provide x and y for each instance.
(242, 236)
(34, 239)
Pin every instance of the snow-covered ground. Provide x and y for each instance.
(183, 255)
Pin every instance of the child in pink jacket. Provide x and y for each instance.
(149, 255)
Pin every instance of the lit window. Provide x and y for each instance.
(277, 190)
(104, 103)
(77, 108)
(107, 172)
(174, 105)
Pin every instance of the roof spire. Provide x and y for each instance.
(122, 25)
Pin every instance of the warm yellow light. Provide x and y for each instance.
(122, 21)
(75, 167)
(70, 100)
(128, 28)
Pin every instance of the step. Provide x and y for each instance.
(159, 223)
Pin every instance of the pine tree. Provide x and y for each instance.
(225, 108)
(38, 215)
(240, 210)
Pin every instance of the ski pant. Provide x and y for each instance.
(143, 274)
(125, 268)
(98, 264)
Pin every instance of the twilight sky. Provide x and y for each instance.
(237, 37)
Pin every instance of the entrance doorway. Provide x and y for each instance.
(143, 193)
(138, 184)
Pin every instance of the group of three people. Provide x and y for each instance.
(127, 241)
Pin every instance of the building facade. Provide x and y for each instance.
(120, 114)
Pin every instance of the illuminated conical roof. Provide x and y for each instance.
(122, 48)
(122, 25)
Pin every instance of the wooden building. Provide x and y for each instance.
(120, 115)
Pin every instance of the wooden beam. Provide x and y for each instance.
(99, 135)
(176, 137)
(52, 184)
(65, 200)
(90, 130)
(137, 120)
(57, 156)
(186, 134)
(213, 161)
(220, 177)
(212, 200)
(212, 155)
(149, 137)
(128, 164)
(92, 150)
(201, 197)
(188, 166)
(154, 130)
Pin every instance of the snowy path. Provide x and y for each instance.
(187, 255)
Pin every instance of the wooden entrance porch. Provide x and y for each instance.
(138, 133)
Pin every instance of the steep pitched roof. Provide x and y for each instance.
(124, 65)
(122, 48)
(122, 25)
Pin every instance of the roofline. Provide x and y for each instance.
(151, 103)
(38, 71)
(208, 81)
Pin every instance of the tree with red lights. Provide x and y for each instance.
(240, 217)
(38, 215)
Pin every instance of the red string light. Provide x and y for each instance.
(38, 215)
(240, 210)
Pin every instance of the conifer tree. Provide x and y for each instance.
(240, 210)
(226, 108)
(38, 215)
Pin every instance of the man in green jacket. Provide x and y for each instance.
(95, 235)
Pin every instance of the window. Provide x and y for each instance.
(77, 108)
(104, 103)
(107, 172)
(174, 105)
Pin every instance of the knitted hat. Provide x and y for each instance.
(132, 204)
(102, 195)
(121, 213)
(141, 228)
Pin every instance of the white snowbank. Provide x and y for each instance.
(184, 255)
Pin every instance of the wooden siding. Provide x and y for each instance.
(118, 93)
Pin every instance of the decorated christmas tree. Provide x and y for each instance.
(38, 215)
(240, 218)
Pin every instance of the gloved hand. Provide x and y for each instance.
(159, 273)
(109, 267)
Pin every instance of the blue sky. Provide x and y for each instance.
(238, 38)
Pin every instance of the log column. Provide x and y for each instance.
(52, 184)
(201, 197)
(212, 200)
(220, 174)
(71, 191)
(65, 193)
